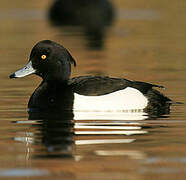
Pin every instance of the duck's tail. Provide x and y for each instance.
(174, 102)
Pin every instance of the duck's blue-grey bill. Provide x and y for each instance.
(25, 71)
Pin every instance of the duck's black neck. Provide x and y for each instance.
(56, 82)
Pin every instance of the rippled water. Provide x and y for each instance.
(145, 41)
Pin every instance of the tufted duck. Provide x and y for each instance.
(52, 62)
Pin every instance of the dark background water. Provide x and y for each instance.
(142, 41)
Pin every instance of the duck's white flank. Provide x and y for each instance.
(125, 99)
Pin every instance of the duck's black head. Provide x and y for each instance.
(49, 60)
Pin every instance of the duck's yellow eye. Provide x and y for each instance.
(43, 57)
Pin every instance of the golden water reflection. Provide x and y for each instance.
(62, 137)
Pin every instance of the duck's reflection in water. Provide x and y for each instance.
(62, 134)
(56, 133)
(93, 17)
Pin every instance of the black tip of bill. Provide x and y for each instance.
(12, 76)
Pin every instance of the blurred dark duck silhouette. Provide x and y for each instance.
(94, 16)
(58, 93)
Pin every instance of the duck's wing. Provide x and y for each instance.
(101, 85)
(97, 85)
(152, 94)
(143, 86)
